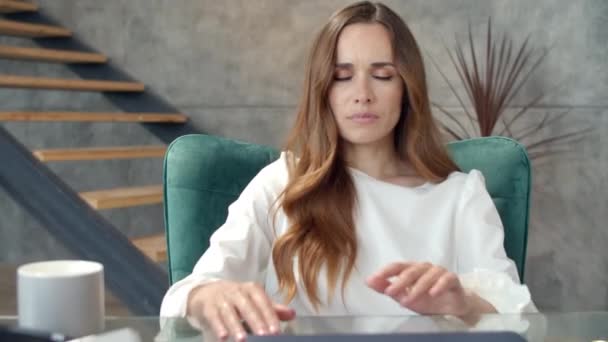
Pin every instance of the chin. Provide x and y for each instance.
(363, 139)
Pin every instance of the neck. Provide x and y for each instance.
(378, 159)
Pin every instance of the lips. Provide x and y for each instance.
(366, 117)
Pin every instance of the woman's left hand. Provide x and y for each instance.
(423, 288)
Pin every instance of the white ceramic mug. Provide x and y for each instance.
(61, 296)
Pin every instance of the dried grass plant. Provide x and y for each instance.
(492, 81)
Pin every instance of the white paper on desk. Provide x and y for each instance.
(123, 335)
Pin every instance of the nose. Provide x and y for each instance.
(364, 92)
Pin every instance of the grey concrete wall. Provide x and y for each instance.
(235, 68)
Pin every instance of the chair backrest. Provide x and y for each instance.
(204, 174)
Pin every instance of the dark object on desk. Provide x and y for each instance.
(416, 337)
(14, 334)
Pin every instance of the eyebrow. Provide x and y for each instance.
(374, 65)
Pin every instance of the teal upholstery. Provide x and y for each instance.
(203, 174)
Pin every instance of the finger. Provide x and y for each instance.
(379, 281)
(249, 312)
(266, 309)
(424, 283)
(284, 312)
(378, 284)
(445, 283)
(213, 318)
(231, 320)
(406, 279)
(390, 270)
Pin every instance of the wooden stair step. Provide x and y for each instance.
(11, 81)
(94, 117)
(12, 6)
(50, 55)
(153, 246)
(22, 29)
(124, 197)
(100, 153)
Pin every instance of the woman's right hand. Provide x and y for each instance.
(223, 305)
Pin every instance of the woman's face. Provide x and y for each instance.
(366, 94)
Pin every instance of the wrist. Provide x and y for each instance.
(468, 308)
(474, 307)
(193, 299)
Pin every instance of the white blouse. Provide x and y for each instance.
(453, 224)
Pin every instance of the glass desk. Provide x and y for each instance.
(572, 326)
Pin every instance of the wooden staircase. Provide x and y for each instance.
(11, 81)
(124, 197)
(100, 153)
(18, 29)
(94, 117)
(12, 6)
(50, 55)
(153, 246)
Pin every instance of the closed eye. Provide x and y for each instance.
(383, 78)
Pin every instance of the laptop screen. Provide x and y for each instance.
(407, 337)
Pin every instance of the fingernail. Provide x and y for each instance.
(274, 329)
(240, 336)
(262, 332)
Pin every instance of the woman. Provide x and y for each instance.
(365, 214)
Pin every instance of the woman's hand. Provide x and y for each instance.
(225, 304)
(428, 289)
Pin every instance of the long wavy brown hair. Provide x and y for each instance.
(320, 199)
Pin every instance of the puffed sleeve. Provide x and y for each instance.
(483, 265)
(240, 249)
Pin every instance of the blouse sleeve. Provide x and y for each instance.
(240, 249)
(483, 265)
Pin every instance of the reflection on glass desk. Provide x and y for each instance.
(573, 326)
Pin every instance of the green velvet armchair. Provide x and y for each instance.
(204, 174)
